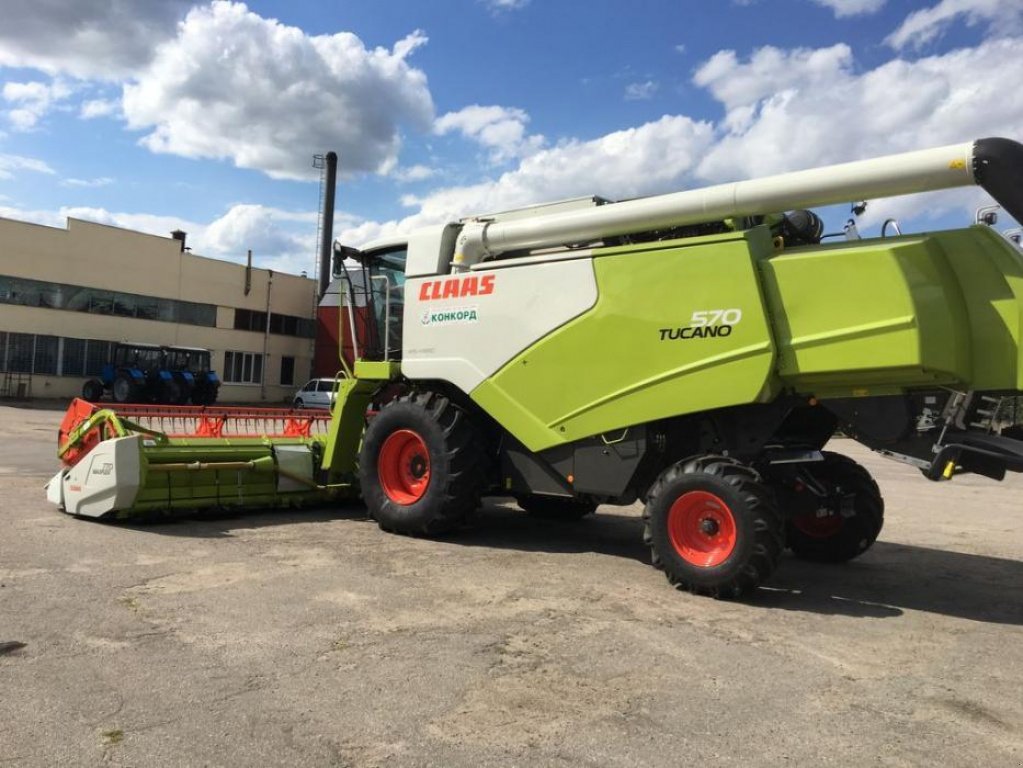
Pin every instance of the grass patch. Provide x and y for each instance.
(112, 737)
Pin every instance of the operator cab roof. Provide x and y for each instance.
(381, 243)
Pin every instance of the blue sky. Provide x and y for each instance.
(157, 114)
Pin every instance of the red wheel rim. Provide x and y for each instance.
(701, 528)
(404, 467)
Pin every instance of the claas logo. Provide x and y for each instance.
(456, 288)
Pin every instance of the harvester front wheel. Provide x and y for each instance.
(842, 525)
(421, 466)
(713, 526)
(556, 507)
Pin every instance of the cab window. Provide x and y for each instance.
(387, 279)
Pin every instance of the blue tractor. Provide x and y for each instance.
(191, 368)
(136, 374)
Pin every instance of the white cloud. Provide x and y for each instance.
(100, 182)
(502, 130)
(498, 6)
(844, 8)
(94, 108)
(105, 39)
(263, 229)
(141, 222)
(788, 110)
(279, 239)
(413, 173)
(771, 70)
(32, 100)
(924, 25)
(783, 110)
(640, 91)
(233, 85)
(654, 157)
(9, 164)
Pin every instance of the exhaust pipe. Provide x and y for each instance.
(327, 217)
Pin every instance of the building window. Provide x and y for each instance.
(45, 355)
(76, 298)
(243, 368)
(73, 358)
(283, 325)
(287, 371)
(250, 320)
(97, 354)
(19, 352)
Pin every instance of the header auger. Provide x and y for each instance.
(695, 351)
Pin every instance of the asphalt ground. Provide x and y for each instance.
(312, 638)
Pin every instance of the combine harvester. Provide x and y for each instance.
(694, 350)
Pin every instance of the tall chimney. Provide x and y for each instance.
(327, 234)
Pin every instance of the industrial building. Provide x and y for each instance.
(67, 294)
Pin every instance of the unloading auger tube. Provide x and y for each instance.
(995, 164)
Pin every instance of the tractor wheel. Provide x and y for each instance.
(92, 390)
(842, 525)
(170, 392)
(713, 526)
(556, 507)
(125, 390)
(421, 466)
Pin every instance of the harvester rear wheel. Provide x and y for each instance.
(713, 526)
(843, 525)
(556, 507)
(421, 466)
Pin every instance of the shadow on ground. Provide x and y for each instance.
(893, 577)
(884, 582)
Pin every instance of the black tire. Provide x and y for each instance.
(92, 390)
(299, 403)
(421, 435)
(733, 539)
(170, 392)
(556, 507)
(853, 513)
(125, 390)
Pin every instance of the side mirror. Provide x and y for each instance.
(342, 252)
